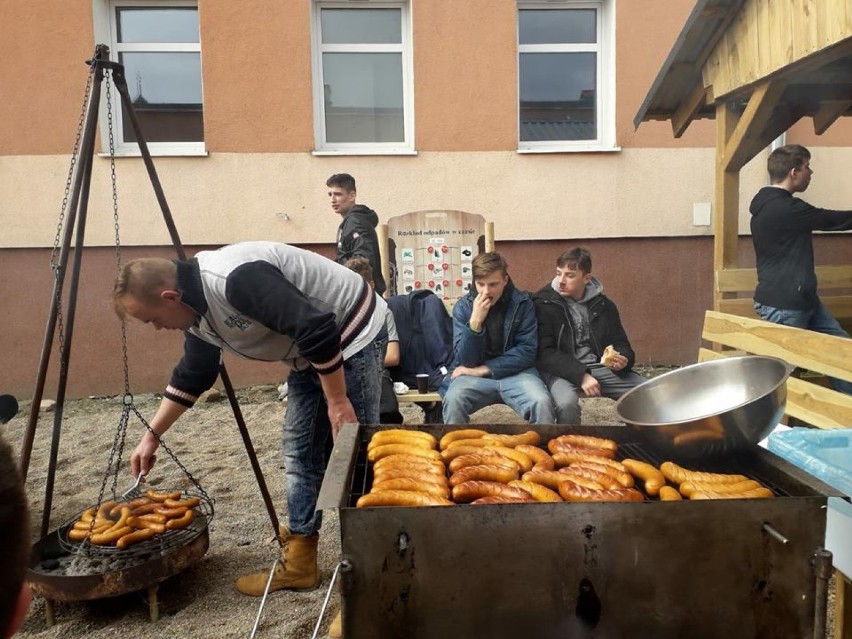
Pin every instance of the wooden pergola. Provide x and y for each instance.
(757, 67)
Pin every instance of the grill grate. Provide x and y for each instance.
(158, 545)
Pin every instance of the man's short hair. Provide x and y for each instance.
(485, 264)
(360, 265)
(784, 159)
(14, 535)
(144, 279)
(577, 258)
(343, 180)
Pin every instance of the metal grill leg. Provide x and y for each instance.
(265, 595)
(49, 613)
(153, 604)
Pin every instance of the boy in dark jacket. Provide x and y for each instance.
(494, 346)
(356, 235)
(781, 227)
(576, 322)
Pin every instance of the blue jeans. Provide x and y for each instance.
(524, 393)
(816, 319)
(307, 427)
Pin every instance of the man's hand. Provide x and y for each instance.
(339, 413)
(618, 363)
(479, 371)
(590, 386)
(143, 458)
(481, 305)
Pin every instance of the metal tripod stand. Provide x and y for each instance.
(76, 219)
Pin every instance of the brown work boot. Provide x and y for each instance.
(335, 630)
(296, 570)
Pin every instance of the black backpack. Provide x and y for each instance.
(425, 337)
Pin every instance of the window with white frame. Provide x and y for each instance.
(566, 76)
(362, 77)
(158, 43)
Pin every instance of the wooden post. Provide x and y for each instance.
(727, 200)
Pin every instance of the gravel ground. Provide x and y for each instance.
(201, 601)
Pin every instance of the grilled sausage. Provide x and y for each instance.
(154, 495)
(529, 438)
(597, 476)
(189, 502)
(622, 477)
(485, 457)
(135, 503)
(386, 474)
(587, 441)
(667, 493)
(386, 450)
(471, 490)
(524, 460)
(566, 455)
(755, 493)
(479, 442)
(181, 522)
(135, 522)
(677, 475)
(134, 537)
(536, 491)
(650, 475)
(541, 460)
(390, 433)
(410, 461)
(409, 483)
(401, 498)
(464, 433)
(398, 438)
(549, 478)
(110, 536)
(693, 436)
(487, 473)
(171, 513)
(687, 488)
(570, 491)
(503, 499)
(146, 509)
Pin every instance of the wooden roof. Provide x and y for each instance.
(801, 49)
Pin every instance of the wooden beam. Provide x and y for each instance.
(840, 306)
(747, 140)
(685, 112)
(810, 350)
(726, 198)
(738, 280)
(828, 114)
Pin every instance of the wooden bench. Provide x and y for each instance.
(807, 401)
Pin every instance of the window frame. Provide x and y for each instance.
(404, 48)
(604, 75)
(104, 13)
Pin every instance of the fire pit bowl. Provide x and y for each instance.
(711, 408)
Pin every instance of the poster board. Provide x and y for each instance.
(433, 250)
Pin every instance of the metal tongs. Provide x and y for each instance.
(134, 491)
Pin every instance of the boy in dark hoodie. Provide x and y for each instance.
(576, 323)
(781, 227)
(356, 235)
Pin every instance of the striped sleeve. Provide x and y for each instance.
(195, 373)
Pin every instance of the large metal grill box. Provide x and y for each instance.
(732, 568)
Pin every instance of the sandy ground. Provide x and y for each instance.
(201, 601)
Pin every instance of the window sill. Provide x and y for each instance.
(592, 148)
(365, 152)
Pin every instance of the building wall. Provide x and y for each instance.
(260, 179)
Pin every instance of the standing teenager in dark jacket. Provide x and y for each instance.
(356, 235)
(576, 322)
(781, 227)
(494, 346)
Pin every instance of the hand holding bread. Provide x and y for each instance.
(610, 358)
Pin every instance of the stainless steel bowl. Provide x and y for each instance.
(709, 409)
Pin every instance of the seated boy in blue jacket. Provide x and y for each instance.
(495, 340)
